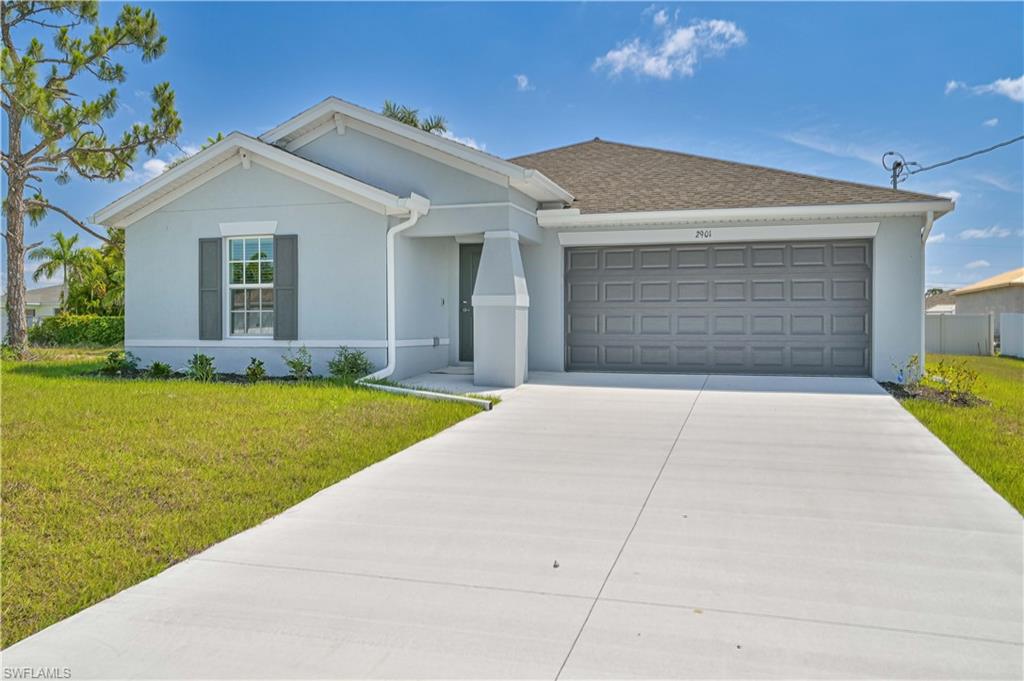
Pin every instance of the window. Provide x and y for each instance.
(251, 285)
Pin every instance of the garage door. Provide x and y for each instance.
(773, 307)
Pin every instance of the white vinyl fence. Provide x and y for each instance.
(1011, 334)
(958, 334)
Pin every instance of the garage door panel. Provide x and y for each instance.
(759, 308)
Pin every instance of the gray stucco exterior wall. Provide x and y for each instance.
(341, 271)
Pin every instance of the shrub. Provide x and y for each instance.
(200, 368)
(255, 371)
(159, 370)
(120, 364)
(300, 365)
(86, 329)
(954, 379)
(349, 365)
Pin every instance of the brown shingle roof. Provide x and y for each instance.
(609, 177)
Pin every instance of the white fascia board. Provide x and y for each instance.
(573, 218)
(144, 200)
(720, 234)
(531, 182)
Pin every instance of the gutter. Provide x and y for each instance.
(417, 206)
(571, 217)
(929, 221)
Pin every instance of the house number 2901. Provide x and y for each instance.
(703, 233)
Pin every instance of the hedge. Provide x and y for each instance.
(69, 329)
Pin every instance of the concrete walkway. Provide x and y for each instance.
(701, 527)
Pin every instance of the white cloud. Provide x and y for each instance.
(951, 194)
(150, 168)
(677, 53)
(936, 238)
(660, 18)
(468, 141)
(998, 182)
(977, 264)
(522, 82)
(1008, 87)
(993, 232)
(825, 144)
(934, 270)
(990, 122)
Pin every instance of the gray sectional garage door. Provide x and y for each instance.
(772, 307)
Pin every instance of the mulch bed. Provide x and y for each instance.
(929, 394)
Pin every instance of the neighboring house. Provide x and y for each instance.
(1001, 293)
(40, 303)
(343, 227)
(940, 303)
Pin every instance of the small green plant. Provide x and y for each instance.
(954, 379)
(349, 365)
(120, 364)
(300, 365)
(910, 373)
(200, 368)
(7, 353)
(255, 371)
(159, 370)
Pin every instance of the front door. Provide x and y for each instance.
(469, 262)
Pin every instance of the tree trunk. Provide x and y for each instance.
(17, 331)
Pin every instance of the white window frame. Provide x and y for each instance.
(229, 287)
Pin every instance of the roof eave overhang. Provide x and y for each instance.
(968, 291)
(241, 150)
(323, 117)
(571, 217)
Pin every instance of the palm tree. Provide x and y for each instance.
(403, 114)
(62, 257)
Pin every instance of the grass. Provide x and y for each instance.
(106, 482)
(989, 438)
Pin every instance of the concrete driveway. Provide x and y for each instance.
(604, 526)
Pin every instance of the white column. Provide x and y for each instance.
(501, 306)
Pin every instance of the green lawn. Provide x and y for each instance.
(989, 438)
(107, 482)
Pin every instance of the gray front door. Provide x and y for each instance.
(772, 308)
(469, 263)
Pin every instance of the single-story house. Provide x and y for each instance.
(341, 227)
(40, 303)
(940, 303)
(1001, 293)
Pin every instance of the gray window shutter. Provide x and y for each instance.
(211, 299)
(286, 287)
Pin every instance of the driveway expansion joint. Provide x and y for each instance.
(636, 521)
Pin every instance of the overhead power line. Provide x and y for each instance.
(900, 168)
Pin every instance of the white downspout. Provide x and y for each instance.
(929, 221)
(418, 206)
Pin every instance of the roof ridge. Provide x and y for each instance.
(512, 159)
(598, 140)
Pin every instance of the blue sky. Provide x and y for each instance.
(816, 88)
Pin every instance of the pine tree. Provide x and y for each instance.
(54, 131)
